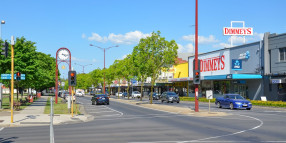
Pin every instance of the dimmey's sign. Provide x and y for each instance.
(213, 64)
(237, 31)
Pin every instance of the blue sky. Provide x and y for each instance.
(75, 24)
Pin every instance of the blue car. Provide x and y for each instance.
(233, 101)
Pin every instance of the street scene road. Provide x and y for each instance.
(206, 71)
(121, 122)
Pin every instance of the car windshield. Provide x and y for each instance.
(136, 92)
(101, 95)
(235, 97)
(171, 93)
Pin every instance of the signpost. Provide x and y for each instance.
(8, 76)
(209, 97)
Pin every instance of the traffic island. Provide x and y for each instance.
(173, 109)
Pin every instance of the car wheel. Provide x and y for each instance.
(167, 101)
(218, 105)
(162, 101)
(108, 103)
(171, 101)
(178, 101)
(231, 106)
(248, 108)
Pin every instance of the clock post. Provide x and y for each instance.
(63, 55)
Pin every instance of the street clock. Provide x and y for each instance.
(63, 54)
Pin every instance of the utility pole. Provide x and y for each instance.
(12, 77)
(52, 139)
(196, 60)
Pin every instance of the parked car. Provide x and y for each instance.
(79, 93)
(136, 94)
(124, 94)
(66, 95)
(233, 101)
(155, 96)
(100, 99)
(170, 96)
(118, 94)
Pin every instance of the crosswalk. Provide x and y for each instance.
(98, 111)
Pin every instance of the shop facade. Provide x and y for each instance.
(231, 70)
(275, 66)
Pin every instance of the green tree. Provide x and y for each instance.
(128, 68)
(96, 77)
(140, 56)
(83, 81)
(118, 69)
(162, 55)
(109, 77)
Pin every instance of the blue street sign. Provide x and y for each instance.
(8, 76)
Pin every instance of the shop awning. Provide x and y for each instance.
(232, 76)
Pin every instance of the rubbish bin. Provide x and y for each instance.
(31, 99)
(39, 95)
(93, 101)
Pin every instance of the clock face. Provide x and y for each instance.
(63, 54)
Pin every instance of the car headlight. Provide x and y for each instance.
(249, 103)
(237, 102)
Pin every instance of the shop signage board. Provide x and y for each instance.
(213, 63)
(236, 64)
(238, 31)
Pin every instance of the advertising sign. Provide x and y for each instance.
(213, 63)
(209, 94)
(236, 64)
(237, 31)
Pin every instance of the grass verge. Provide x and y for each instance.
(254, 102)
(60, 107)
(6, 102)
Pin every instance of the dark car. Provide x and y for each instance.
(155, 96)
(233, 101)
(170, 96)
(100, 99)
(91, 93)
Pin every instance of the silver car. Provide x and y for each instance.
(170, 97)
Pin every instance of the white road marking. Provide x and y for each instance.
(2, 128)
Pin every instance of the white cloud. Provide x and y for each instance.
(221, 45)
(128, 38)
(189, 48)
(97, 38)
(94, 60)
(83, 36)
(202, 39)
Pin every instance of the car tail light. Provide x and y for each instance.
(97, 98)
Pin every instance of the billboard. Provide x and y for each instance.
(237, 31)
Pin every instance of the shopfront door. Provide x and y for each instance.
(240, 89)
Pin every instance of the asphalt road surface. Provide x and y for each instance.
(121, 123)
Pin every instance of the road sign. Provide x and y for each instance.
(209, 94)
(8, 76)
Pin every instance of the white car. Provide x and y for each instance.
(119, 94)
(136, 94)
(79, 93)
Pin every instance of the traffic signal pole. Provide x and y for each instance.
(12, 77)
(196, 60)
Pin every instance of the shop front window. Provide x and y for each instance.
(221, 87)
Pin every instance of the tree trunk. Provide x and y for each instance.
(128, 90)
(118, 88)
(17, 92)
(142, 83)
(109, 91)
(151, 94)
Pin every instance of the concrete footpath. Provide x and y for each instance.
(33, 115)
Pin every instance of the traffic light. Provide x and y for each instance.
(5, 49)
(197, 73)
(72, 78)
(18, 76)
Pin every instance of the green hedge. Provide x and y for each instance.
(254, 102)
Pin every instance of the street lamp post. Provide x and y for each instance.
(2, 22)
(104, 62)
(82, 66)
